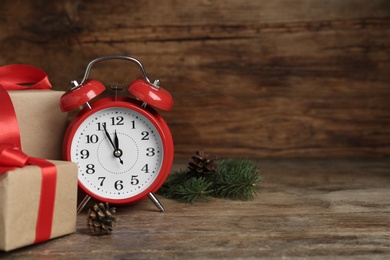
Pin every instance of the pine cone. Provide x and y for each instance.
(202, 163)
(100, 219)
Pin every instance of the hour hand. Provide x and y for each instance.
(117, 152)
(116, 141)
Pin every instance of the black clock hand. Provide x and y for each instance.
(108, 136)
(117, 151)
(116, 140)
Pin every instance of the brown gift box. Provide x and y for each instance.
(19, 199)
(42, 126)
(41, 123)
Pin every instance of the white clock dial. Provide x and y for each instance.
(119, 153)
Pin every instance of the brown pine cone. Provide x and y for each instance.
(202, 163)
(100, 219)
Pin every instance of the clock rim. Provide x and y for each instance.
(152, 115)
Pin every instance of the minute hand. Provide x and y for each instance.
(108, 136)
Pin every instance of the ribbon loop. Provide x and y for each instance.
(21, 76)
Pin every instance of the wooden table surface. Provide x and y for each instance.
(306, 208)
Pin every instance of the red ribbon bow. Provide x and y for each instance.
(12, 157)
(20, 77)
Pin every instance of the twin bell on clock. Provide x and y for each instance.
(123, 147)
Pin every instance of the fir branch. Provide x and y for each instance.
(233, 178)
(236, 179)
(193, 189)
(184, 187)
(171, 184)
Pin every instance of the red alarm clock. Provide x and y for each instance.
(123, 147)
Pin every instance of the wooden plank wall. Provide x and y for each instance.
(281, 78)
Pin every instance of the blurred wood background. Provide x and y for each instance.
(282, 78)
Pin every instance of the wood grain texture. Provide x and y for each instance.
(317, 209)
(284, 78)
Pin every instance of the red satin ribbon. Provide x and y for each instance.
(20, 77)
(12, 157)
(17, 77)
(9, 124)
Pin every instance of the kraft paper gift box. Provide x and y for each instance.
(26, 217)
(41, 123)
(20, 191)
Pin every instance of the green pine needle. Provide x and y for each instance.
(184, 187)
(192, 190)
(234, 179)
(237, 179)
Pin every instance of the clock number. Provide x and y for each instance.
(134, 180)
(150, 152)
(117, 120)
(90, 169)
(84, 154)
(145, 168)
(101, 179)
(145, 135)
(99, 124)
(92, 139)
(132, 124)
(118, 185)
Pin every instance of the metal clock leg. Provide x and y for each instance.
(151, 196)
(156, 202)
(83, 203)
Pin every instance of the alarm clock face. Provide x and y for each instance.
(119, 152)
